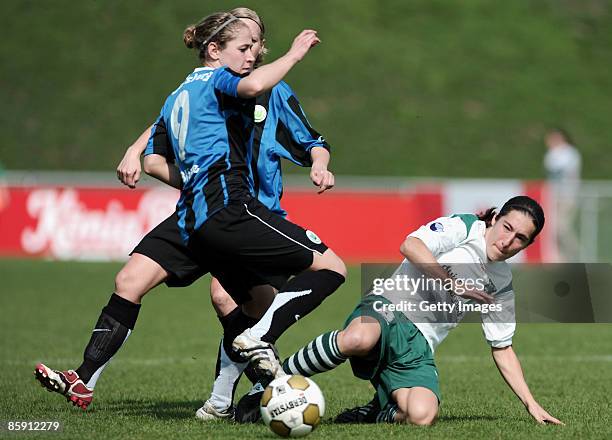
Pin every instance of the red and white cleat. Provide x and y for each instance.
(66, 383)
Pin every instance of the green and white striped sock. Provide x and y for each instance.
(387, 415)
(320, 355)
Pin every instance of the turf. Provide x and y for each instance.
(154, 385)
(426, 87)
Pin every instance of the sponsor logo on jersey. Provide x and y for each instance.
(260, 113)
(313, 237)
(436, 227)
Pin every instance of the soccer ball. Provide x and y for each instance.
(292, 406)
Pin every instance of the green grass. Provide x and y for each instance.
(154, 385)
(424, 85)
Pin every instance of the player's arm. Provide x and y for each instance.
(129, 169)
(266, 77)
(319, 174)
(156, 165)
(510, 368)
(159, 156)
(421, 247)
(297, 141)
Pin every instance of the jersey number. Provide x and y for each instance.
(179, 128)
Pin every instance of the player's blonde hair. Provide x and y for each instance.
(218, 28)
(250, 14)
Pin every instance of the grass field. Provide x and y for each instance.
(154, 385)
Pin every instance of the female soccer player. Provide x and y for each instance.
(176, 265)
(230, 233)
(394, 349)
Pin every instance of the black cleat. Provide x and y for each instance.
(247, 409)
(360, 414)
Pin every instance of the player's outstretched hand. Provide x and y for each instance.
(302, 44)
(323, 178)
(541, 415)
(129, 169)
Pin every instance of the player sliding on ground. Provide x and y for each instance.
(394, 349)
(163, 256)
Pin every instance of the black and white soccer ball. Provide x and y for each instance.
(292, 406)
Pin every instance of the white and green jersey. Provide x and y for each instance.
(458, 243)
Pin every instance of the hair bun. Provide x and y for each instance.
(189, 37)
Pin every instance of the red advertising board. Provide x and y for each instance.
(101, 223)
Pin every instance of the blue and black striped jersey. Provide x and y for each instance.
(208, 127)
(281, 130)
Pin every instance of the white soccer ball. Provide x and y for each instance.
(292, 406)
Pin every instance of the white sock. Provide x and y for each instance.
(223, 389)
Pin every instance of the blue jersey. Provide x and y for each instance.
(208, 127)
(281, 131)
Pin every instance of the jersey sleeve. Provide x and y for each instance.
(226, 81)
(158, 142)
(442, 234)
(498, 327)
(295, 137)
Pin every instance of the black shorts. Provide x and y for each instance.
(164, 245)
(246, 241)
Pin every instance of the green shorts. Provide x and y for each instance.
(402, 357)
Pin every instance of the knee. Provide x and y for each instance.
(354, 343)
(330, 261)
(337, 265)
(127, 285)
(421, 415)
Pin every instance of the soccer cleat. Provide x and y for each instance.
(262, 356)
(208, 412)
(66, 383)
(247, 410)
(360, 414)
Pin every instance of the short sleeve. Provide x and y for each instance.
(158, 142)
(498, 326)
(442, 234)
(226, 81)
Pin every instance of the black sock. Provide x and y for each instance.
(234, 323)
(114, 325)
(300, 296)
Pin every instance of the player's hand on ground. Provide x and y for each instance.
(541, 415)
(129, 169)
(322, 177)
(302, 44)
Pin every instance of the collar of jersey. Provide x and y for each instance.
(199, 69)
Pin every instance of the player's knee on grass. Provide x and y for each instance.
(360, 337)
(417, 406)
(329, 260)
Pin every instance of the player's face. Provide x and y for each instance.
(508, 235)
(237, 53)
(256, 37)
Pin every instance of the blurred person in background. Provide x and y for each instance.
(563, 165)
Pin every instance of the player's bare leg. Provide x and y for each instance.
(416, 405)
(116, 322)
